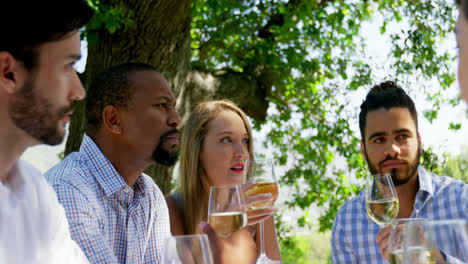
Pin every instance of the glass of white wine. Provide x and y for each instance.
(262, 171)
(381, 199)
(436, 241)
(421, 250)
(187, 249)
(226, 209)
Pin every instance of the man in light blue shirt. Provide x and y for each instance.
(390, 142)
(117, 214)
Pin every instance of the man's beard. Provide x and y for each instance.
(397, 178)
(163, 156)
(36, 115)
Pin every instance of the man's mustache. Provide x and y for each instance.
(389, 158)
(168, 133)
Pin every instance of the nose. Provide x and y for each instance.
(241, 151)
(392, 150)
(77, 91)
(174, 119)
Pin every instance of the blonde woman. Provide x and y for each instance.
(216, 141)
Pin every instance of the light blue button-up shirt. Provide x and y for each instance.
(354, 233)
(110, 221)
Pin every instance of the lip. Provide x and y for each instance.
(238, 168)
(393, 164)
(67, 116)
(173, 138)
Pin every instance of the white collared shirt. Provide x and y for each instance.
(33, 226)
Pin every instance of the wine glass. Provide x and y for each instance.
(187, 249)
(396, 243)
(261, 170)
(436, 241)
(381, 199)
(226, 209)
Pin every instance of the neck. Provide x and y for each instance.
(129, 166)
(13, 142)
(406, 196)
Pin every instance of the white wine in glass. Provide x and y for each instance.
(381, 199)
(420, 251)
(226, 209)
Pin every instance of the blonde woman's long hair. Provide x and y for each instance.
(193, 182)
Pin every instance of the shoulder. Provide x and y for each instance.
(352, 207)
(71, 173)
(445, 183)
(351, 213)
(175, 215)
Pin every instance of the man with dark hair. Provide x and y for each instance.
(38, 85)
(117, 213)
(390, 143)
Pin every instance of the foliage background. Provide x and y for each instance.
(302, 60)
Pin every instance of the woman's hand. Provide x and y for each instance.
(258, 215)
(239, 248)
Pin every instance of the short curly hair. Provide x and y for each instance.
(386, 95)
(111, 87)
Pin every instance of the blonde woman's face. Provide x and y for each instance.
(225, 149)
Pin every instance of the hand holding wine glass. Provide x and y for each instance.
(421, 249)
(226, 209)
(261, 171)
(258, 215)
(381, 199)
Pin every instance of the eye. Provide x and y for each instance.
(226, 140)
(379, 140)
(162, 105)
(245, 141)
(402, 137)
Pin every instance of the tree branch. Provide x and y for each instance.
(241, 88)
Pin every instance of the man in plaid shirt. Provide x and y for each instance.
(390, 142)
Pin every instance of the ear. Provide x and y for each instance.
(419, 139)
(9, 72)
(363, 151)
(111, 119)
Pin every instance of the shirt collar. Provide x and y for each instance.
(425, 181)
(104, 172)
(15, 185)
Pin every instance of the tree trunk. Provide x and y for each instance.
(160, 36)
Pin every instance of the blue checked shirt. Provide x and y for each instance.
(109, 220)
(354, 233)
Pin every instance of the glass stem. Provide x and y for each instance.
(262, 246)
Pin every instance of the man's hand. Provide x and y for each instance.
(383, 239)
(239, 248)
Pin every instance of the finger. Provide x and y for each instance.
(266, 197)
(252, 220)
(248, 185)
(383, 247)
(261, 212)
(383, 233)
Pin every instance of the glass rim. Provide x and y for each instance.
(409, 220)
(188, 236)
(234, 185)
